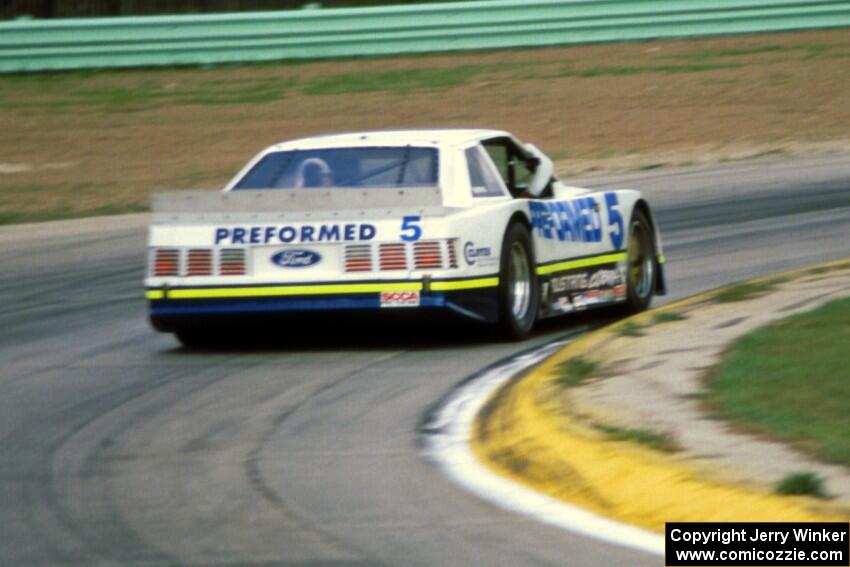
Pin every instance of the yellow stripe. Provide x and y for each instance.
(291, 290)
(582, 263)
(274, 291)
(465, 284)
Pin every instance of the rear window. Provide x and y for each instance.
(343, 167)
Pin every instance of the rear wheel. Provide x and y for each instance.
(640, 271)
(519, 296)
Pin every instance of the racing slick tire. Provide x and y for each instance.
(519, 293)
(196, 339)
(640, 264)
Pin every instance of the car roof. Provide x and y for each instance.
(436, 137)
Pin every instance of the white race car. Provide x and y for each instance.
(471, 222)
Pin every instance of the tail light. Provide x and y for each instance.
(392, 256)
(358, 258)
(423, 255)
(166, 262)
(231, 262)
(199, 262)
(428, 255)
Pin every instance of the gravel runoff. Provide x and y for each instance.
(665, 367)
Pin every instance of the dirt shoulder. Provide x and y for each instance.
(78, 144)
(616, 422)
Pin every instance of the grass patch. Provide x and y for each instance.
(57, 92)
(826, 269)
(640, 70)
(658, 441)
(805, 51)
(818, 270)
(804, 483)
(576, 371)
(630, 329)
(703, 54)
(401, 80)
(667, 317)
(792, 381)
(743, 291)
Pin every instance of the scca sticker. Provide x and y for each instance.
(399, 299)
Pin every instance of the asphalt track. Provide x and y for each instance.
(117, 447)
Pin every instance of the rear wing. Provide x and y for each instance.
(294, 204)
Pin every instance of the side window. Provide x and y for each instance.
(499, 154)
(511, 162)
(522, 174)
(482, 180)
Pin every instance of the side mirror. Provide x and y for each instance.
(542, 173)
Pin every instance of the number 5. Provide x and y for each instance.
(410, 229)
(612, 204)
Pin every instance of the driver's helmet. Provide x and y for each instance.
(314, 172)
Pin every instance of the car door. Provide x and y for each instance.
(575, 234)
(562, 228)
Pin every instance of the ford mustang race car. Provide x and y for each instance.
(471, 222)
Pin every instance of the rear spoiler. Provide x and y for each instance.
(294, 204)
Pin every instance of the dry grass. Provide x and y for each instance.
(82, 143)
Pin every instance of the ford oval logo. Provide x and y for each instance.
(296, 258)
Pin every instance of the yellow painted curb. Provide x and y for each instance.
(523, 435)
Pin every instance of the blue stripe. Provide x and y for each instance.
(330, 303)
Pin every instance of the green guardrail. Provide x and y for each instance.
(41, 45)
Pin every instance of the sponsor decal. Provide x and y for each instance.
(603, 278)
(474, 254)
(569, 283)
(564, 304)
(579, 301)
(296, 258)
(399, 299)
(620, 290)
(286, 234)
(578, 220)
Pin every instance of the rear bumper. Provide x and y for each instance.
(176, 308)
